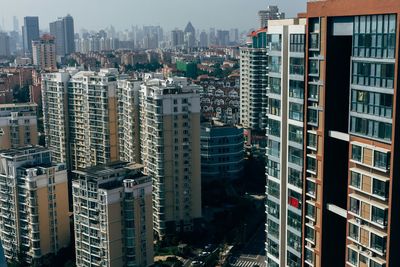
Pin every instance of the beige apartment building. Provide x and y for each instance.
(34, 218)
(44, 53)
(18, 125)
(113, 216)
(170, 152)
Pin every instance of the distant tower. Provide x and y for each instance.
(63, 30)
(15, 24)
(30, 32)
(272, 12)
(44, 53)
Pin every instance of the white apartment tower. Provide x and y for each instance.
(170, 151)
(285, 130)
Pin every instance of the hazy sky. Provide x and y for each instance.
(97, 14)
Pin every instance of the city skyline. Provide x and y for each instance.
(131, 15)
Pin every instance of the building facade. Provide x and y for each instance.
(253, 84)
(271, 13)
(81, 116)
(63, 30)
(170, 151)
(222, 154)
(128, 120)
(18, 125)
(284, 166)
(44, 53)
(351, 143)
(30, 32)
(113, 216)
(34, 204)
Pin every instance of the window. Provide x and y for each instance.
(371, 128)
(312, 117)
(373, 74)
(313, 92)
(274, 107)
(295, 156)
(378, 243)
(380, 188)
(310, 233)
(314, 66)
(381, 160)
(296, 111)
(297, 43)
(273, 248)
(352, 256)
(274, 127)
(311, 188)
(374, 36)
(273, 168)
(314, 41)
(355, 179)
(353, 231)
(312, 140)
(273, 189)
(310, 211)
(273, 148)
(296, 89)
(379, 216)
(294, 241)
(296, 66)
(294, 220)
(311, 164)
(296, 134)
(273, 229)
(274, 64)
(275, 41)
(356, 153)
(294, 199)
(275, 85)
(273, 209)
(295, 177)
(354, 205)
(377, 104)
(309, 256)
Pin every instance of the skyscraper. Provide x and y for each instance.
(177, 38)
(15, 24)
(253, 86)
(34, 199)
(4, 44)
(44, 53)
(350, 200)
(170, 151)
(63, 30)
(113, 219)
(203, 39)
(285, 130)
(30, 32)
(272, 12)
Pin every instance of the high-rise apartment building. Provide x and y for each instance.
(170, 151)
(285, 128)
(271, 13)
(63, 30)
(34, 217)
(113, 219)
(128, 120)
(18, 125)
(55, 114)
(351, 199)
(30, 32)
(93, 118)
(253, 82)
(81, 116)
(44, 53)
